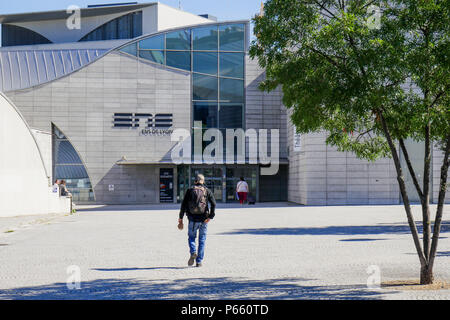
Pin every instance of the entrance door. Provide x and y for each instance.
(213, 180)
(166, 186)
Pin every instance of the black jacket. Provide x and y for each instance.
(210, 212)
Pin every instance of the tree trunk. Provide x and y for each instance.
(401, 182)
(426, 195)
(441, 200)
(426, 275)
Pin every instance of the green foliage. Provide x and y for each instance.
(338, 74)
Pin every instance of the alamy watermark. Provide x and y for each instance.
(374, 279)
(73, 22)
(374, 20)
(241, 147)
(73, 282)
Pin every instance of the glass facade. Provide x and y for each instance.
(215, 57)
(69, 167)
(125, 27)
(18, 36)
(221, 180)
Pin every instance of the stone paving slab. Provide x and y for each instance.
(270, 251)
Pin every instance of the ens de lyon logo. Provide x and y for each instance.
(159, 124)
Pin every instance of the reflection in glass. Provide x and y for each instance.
(68, 166)
(130, 49)
(152, 55)
(205, 38)
(232, 65)
(250, 175)
(65, 154)
(205, 87)
(213, 180)
(231, 90)
(206, 62)
(153, 43)
(231, 116)
(206, 113)
(232, 37)
(179, 59)
(125, 27)
(178, 40)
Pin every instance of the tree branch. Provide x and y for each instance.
(436, 99)
(322, 7)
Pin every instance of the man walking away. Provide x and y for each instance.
(195, 205)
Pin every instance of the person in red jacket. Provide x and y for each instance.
(242, 190)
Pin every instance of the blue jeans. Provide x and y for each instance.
(202, 229)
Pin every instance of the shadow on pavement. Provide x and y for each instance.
(361, 240)
(174, 206)
(123, 208)
(443, 254)
(192, 289)
(336, 230)
(138, 269)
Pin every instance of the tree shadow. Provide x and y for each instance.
(139, 269)
(443, 254)
(337, 230)
(221, 288)
(361, 240)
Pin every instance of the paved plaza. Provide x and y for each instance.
(268, 251)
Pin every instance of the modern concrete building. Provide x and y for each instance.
(25, 186)
(113, 91)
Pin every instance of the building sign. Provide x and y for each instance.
(151, 125)
(166, 186)
(297, 141)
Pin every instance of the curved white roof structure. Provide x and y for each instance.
(25, 66)
(21, 69)
(22, 169)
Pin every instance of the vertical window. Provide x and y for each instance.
(179, 59)
(207, 113)
(205, 87)
(231, 90)
(232, 37)
(130, 49)
(231, 116)
(206, 62)
(153, 43)
(205, 38)
(178, 40)
(152, 55)
(232, 65)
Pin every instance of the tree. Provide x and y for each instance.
(382, 76)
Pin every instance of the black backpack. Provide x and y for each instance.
(199, 202)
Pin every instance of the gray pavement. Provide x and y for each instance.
(270, 251)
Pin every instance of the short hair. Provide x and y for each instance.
(199, 178)
(242, 179)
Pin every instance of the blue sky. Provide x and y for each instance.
(223, 10)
